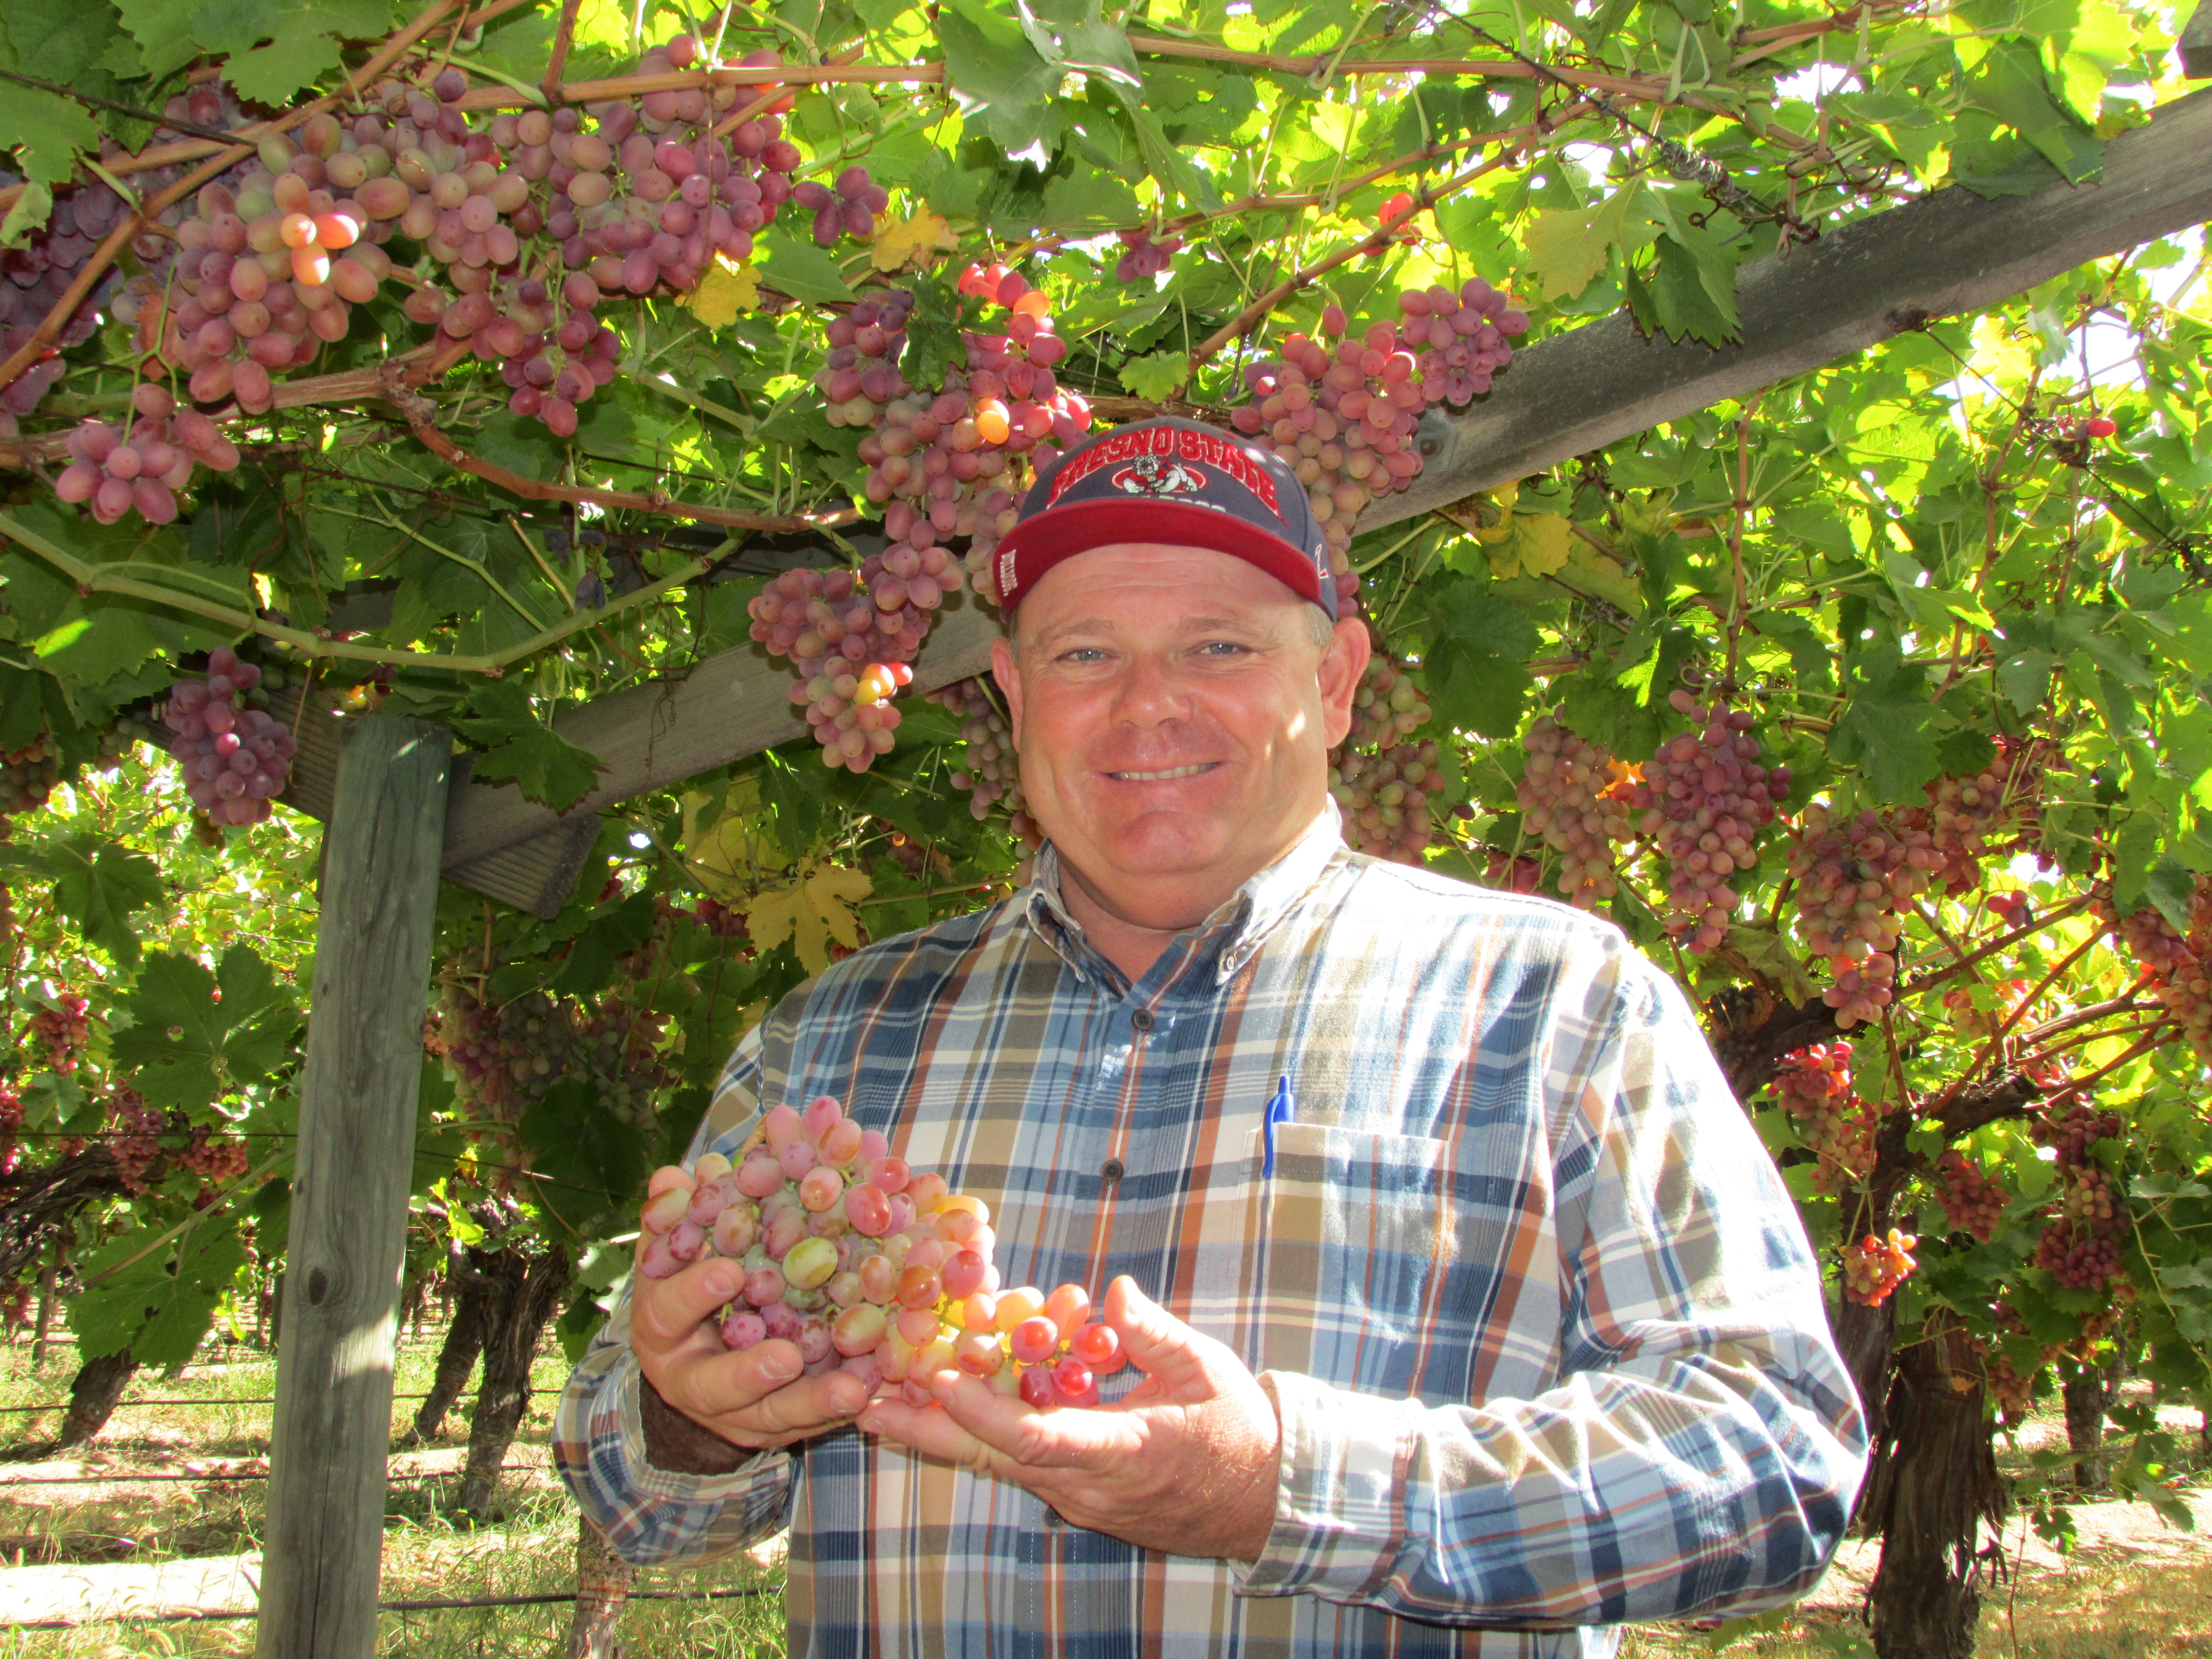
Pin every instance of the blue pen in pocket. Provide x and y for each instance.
(1279, 1110)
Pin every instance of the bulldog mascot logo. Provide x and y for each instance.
(1157, 475)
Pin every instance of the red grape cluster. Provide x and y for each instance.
(990, 770)
(11, 1124)
(1385, 798)
(868, 1266)
(1854, 880)
(1814, 1086)
(65, 1027)
(501, 1059)
(1963, 813)
(2179, 966)
(1973, 1201)
(140, 468)
(2012, 909)
(849, 651)
(234, 757)
(29, 775)
(1703, 799)
(213, 1156)
(1459, 340)
(34, 275)
(1144, 256)
(1570, 795)
(1875, 1267)
(2081, 1245)
(720, 920)
(132, 1128)
(1387, 707)
(847, 208)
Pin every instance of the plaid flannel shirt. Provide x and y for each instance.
(1541, 1326)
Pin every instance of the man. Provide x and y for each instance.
(1467, 1315)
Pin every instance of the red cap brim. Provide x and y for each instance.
(1036, 545)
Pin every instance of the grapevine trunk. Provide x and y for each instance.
(603, 1582)
(521, 1292)
(95, 1394)
(456, 1359)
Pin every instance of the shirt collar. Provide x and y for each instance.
(1245, 918)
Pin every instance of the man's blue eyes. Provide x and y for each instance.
(1217, 648)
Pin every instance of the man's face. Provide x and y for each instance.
(1174, 716)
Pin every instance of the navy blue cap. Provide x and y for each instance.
(1181, 484)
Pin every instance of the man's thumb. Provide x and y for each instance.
(1156, 1341)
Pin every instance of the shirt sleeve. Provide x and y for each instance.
(653, 1516)
(1702, 1446)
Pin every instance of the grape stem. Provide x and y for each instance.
(563, 32)
(2073, 906)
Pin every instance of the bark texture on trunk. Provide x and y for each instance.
(2085, 1397)
(456, 1359)
(94, 1395)
(1934, 1485)
(521, 1293)
(603, 1582)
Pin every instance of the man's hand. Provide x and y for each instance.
(1185, 1463)
(754, 1399)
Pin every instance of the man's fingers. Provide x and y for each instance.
(1156, 1342)
(665, 1312)
(1065, 1438)
(927, 1429)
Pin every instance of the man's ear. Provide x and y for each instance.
(1010, 682)
(1342, 662)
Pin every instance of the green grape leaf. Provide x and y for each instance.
(98, 885)
(46, 132)
(1883, 730)
(1158, 377)
(27, 214)
(163, 30)
(1569, 246)
(302, 42)
(161, 1304)
(1690, 293)
(1004, 88)
(1479, 642)
(199, 1037)
(613, 933)
(589, 1163)
(799, 269)
(546, 766)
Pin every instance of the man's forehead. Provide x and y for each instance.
(1216, 580)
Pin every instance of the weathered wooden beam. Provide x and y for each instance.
(1951, 253)
(348, 1215)
(2195, 46)
(732, 704)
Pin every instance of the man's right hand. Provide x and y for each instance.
(752, 1400)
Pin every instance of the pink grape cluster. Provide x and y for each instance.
(11, 1125)
(64, 1027)
(500, 1057)
(1813, 1086)
(846, 208)
(213, 1156)
(2177, 966)
(234, 757)
(1973, 1201)
(1144, 256)
(29, 775)
(140, 468)
(1963, 813)
(860, 380)
(1387, 707)
(2081, 1245)
(990, 770)
(1570, 795)
(1875, 1267)
(1384, 796)
(35, 275)
(849, 650)
(1703, 799)
(869, 1266)
(1854, 878)
(1460, 340)
(133, 1128)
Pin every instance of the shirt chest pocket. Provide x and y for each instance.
(1372, 1250)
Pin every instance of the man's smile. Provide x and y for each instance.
(1172, 772)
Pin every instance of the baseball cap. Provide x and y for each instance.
(1181, 482)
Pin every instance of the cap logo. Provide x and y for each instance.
(1148, 475)
(1171, 445)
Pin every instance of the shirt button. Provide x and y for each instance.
(1111, 1170)
(1142, 1019)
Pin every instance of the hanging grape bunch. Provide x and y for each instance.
(869, 1266)
(234, 757)
(11, 1125)
(1144, 256)
(1343, 419)
(1703, 799)
(1855, 879)
(141, 467)
(64, 1027)
(29, 775)
(2177, 966)
(132, 1128)
(1388, 706)
(847, 208)
(1963, 813)
(1385, 799)
(1813, 1086)
(990, 770)
(1875, 1267)
(502, 1059)
(2081, 1245)
(1570, 795)
(1973, 1201)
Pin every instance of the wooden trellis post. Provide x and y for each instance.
(357, 1100)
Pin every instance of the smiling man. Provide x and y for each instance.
(1467, 1315)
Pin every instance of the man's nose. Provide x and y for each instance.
(1150, 690)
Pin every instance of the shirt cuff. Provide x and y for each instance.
(668, 1485)
(1339, 1502)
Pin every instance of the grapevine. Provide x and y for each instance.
(869, 1266)
(1703, 799)
(1571, 794)
(1854, 880)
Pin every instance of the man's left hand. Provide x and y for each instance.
(1185, 1462)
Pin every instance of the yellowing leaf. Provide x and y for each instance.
(723, 291)
(734, 851)
(812, 911)
(1568, 247)
(1538, 544)
(915, 239)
